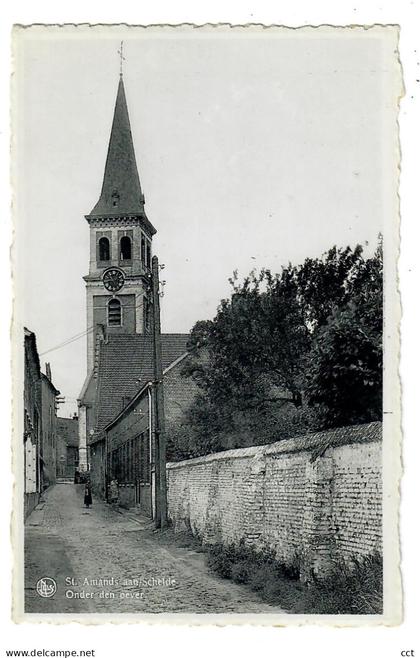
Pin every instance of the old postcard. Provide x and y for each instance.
(206, 394)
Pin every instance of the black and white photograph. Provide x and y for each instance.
(205, 331)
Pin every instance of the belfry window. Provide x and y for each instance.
(125, 248)
(103, 249)
(143, 250)
(114, 313)
(148, 255)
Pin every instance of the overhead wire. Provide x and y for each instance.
(71, 339)
(68, 341)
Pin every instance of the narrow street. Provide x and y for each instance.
(107, 562)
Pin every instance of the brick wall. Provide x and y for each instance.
(315, 498)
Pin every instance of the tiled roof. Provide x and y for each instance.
(316, 443)
(68, 429)
(125, 365)
(319, 442)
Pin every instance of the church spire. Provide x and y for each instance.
(121, 191)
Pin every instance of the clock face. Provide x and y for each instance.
(113, 279)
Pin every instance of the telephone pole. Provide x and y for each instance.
(161, 519)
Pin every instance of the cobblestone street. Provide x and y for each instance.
(98, 556)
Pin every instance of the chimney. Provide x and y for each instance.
(48, 371)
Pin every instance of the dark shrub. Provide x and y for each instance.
(240, 572)
(220, 559)
(354, 587)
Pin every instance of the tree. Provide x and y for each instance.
(289, 352)
(345, 369)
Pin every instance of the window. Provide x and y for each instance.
(132, 469)
(144, 458)
(122, 451)
(120, 465)
(148, 255)
(103, 249)
(143, 250)
(136, 459)
(114, 313)
(125, 462)
(116, 465)
(125, 248)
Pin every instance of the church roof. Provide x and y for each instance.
(121, 191)
(125, 365)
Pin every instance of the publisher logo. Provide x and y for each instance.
(46, 587)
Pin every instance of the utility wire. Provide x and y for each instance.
(68, 341)
(84, 333)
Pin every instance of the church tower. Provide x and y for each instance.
(120, 241)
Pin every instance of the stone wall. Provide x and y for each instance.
(315, 499)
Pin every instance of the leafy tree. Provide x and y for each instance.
(345, 369)
(288, 352)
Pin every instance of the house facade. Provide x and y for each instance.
(48, 394)
(128, 444)
(32, 423)
(130, 453)
(124, 411)
(39, 436)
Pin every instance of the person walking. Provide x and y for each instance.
(88, 494)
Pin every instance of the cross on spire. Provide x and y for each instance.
(122, 58)
(121, 192)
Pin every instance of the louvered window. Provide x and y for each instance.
(114, 313)
(103, 249)
(125, 244)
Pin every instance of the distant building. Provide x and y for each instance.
(67, 449)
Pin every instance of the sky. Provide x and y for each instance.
(254, 149)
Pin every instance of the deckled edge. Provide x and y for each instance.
(391, 616)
